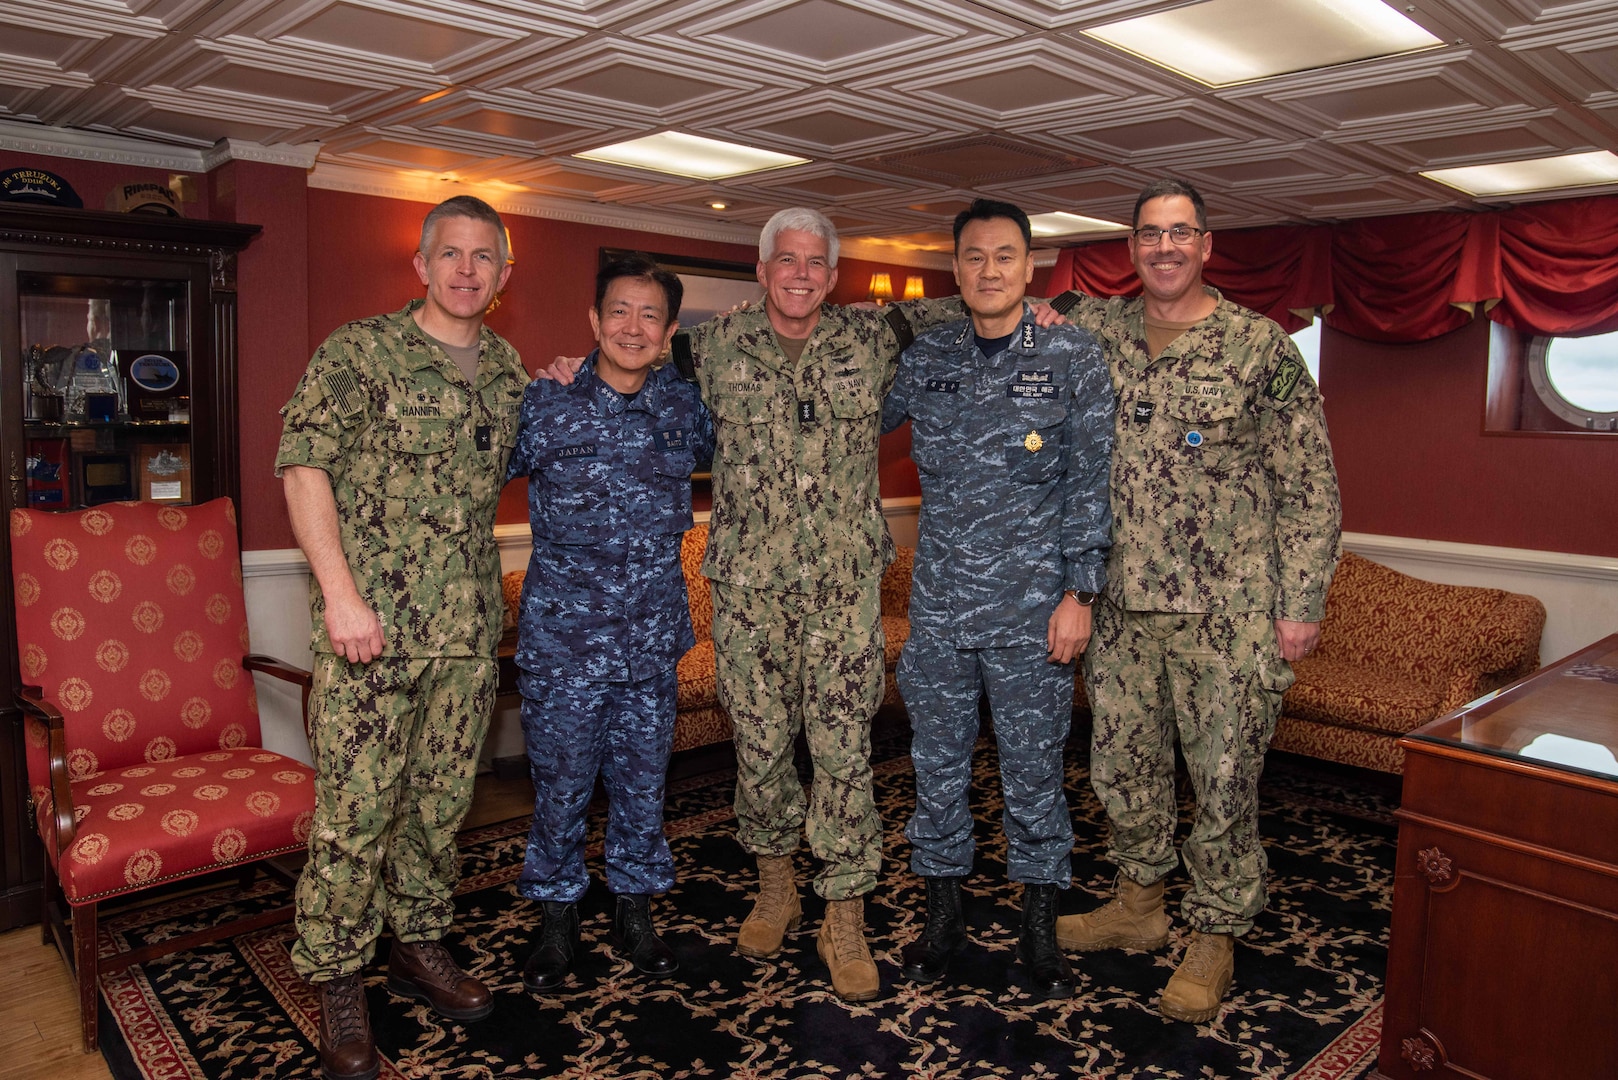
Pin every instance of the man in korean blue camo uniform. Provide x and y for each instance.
(1226, 524)
(1011, 431)
(393, 455)
(605, 617)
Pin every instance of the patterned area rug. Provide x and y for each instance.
(1306, 1002)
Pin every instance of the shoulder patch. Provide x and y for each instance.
(344, 392)
(1285, 379)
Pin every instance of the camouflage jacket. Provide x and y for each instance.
(609, 498)
(1013, 452)
(796, 506)
(417, 459)
(1224, 496)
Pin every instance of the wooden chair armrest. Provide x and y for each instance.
(280, 669)
(31, 699)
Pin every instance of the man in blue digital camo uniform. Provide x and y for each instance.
(1011, 431)
(605, 617)
(393, 455)
(1226, 524)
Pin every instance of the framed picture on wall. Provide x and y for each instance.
(712, 286)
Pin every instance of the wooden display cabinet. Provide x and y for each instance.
(117, 380)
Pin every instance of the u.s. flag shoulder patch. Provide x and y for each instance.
(344, 392)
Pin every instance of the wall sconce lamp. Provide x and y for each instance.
(913, 288)
(881, 288)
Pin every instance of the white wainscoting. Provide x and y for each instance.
(1580, 594)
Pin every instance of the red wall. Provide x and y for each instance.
(1407, 431)
(272, 324)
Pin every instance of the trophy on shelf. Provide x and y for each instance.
(94, 390)
(42, 401)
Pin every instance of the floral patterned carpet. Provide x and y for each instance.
(1306, 1003)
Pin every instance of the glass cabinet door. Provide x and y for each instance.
(106, 389)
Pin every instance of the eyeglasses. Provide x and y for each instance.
(1182, 235)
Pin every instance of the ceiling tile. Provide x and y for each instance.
(975, 161)
(506, 124)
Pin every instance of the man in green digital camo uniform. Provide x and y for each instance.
(796, 549)
(392, 456)
(1225, 530)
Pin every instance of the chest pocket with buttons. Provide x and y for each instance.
(421, 449)
(1209, 420)
(856, 411)
(744, 427)
(1035, 451)
(935, 414)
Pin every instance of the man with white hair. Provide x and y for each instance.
(796, 550)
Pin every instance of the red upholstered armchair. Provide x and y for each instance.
(145, 763)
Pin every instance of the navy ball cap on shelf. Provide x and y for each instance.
(37, 186)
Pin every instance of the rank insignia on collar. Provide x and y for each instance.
(1033, 442)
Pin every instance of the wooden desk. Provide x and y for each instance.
(1503, 962)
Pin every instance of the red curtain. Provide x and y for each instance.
(1545, 268)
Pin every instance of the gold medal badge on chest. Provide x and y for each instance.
(1033, 442)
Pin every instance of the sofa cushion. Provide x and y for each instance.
(1330, 690)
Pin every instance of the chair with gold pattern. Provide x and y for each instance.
(145, 762)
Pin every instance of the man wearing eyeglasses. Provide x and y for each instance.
(1226, 521)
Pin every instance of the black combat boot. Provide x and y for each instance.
(634, 938)
(558, 941)
(1047, 968)
(927, 958)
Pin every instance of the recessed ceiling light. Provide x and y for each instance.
(1064, 224)
(1223, 42)
(690, 155)
(435, 95)
(1538, 174)
(717, 205)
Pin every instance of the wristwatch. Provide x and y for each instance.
(1085, 599)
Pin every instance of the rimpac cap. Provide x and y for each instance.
(143, 199)
(37, 186)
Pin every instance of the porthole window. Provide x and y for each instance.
(1577, 378)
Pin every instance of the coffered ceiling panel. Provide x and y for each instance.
(504, 123)
(834, 40)
(904, 108)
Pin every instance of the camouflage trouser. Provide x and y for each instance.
(576, 729)
(1032, 704)
(395, 745)
(790, 662)
(1216, 682)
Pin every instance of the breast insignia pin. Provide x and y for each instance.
(1033, 442)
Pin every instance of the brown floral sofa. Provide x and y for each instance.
(1395, 652)
(699, 720)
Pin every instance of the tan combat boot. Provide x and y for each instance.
(775, 911)
(1198, 986)
(1133, 919)
(842, 946)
